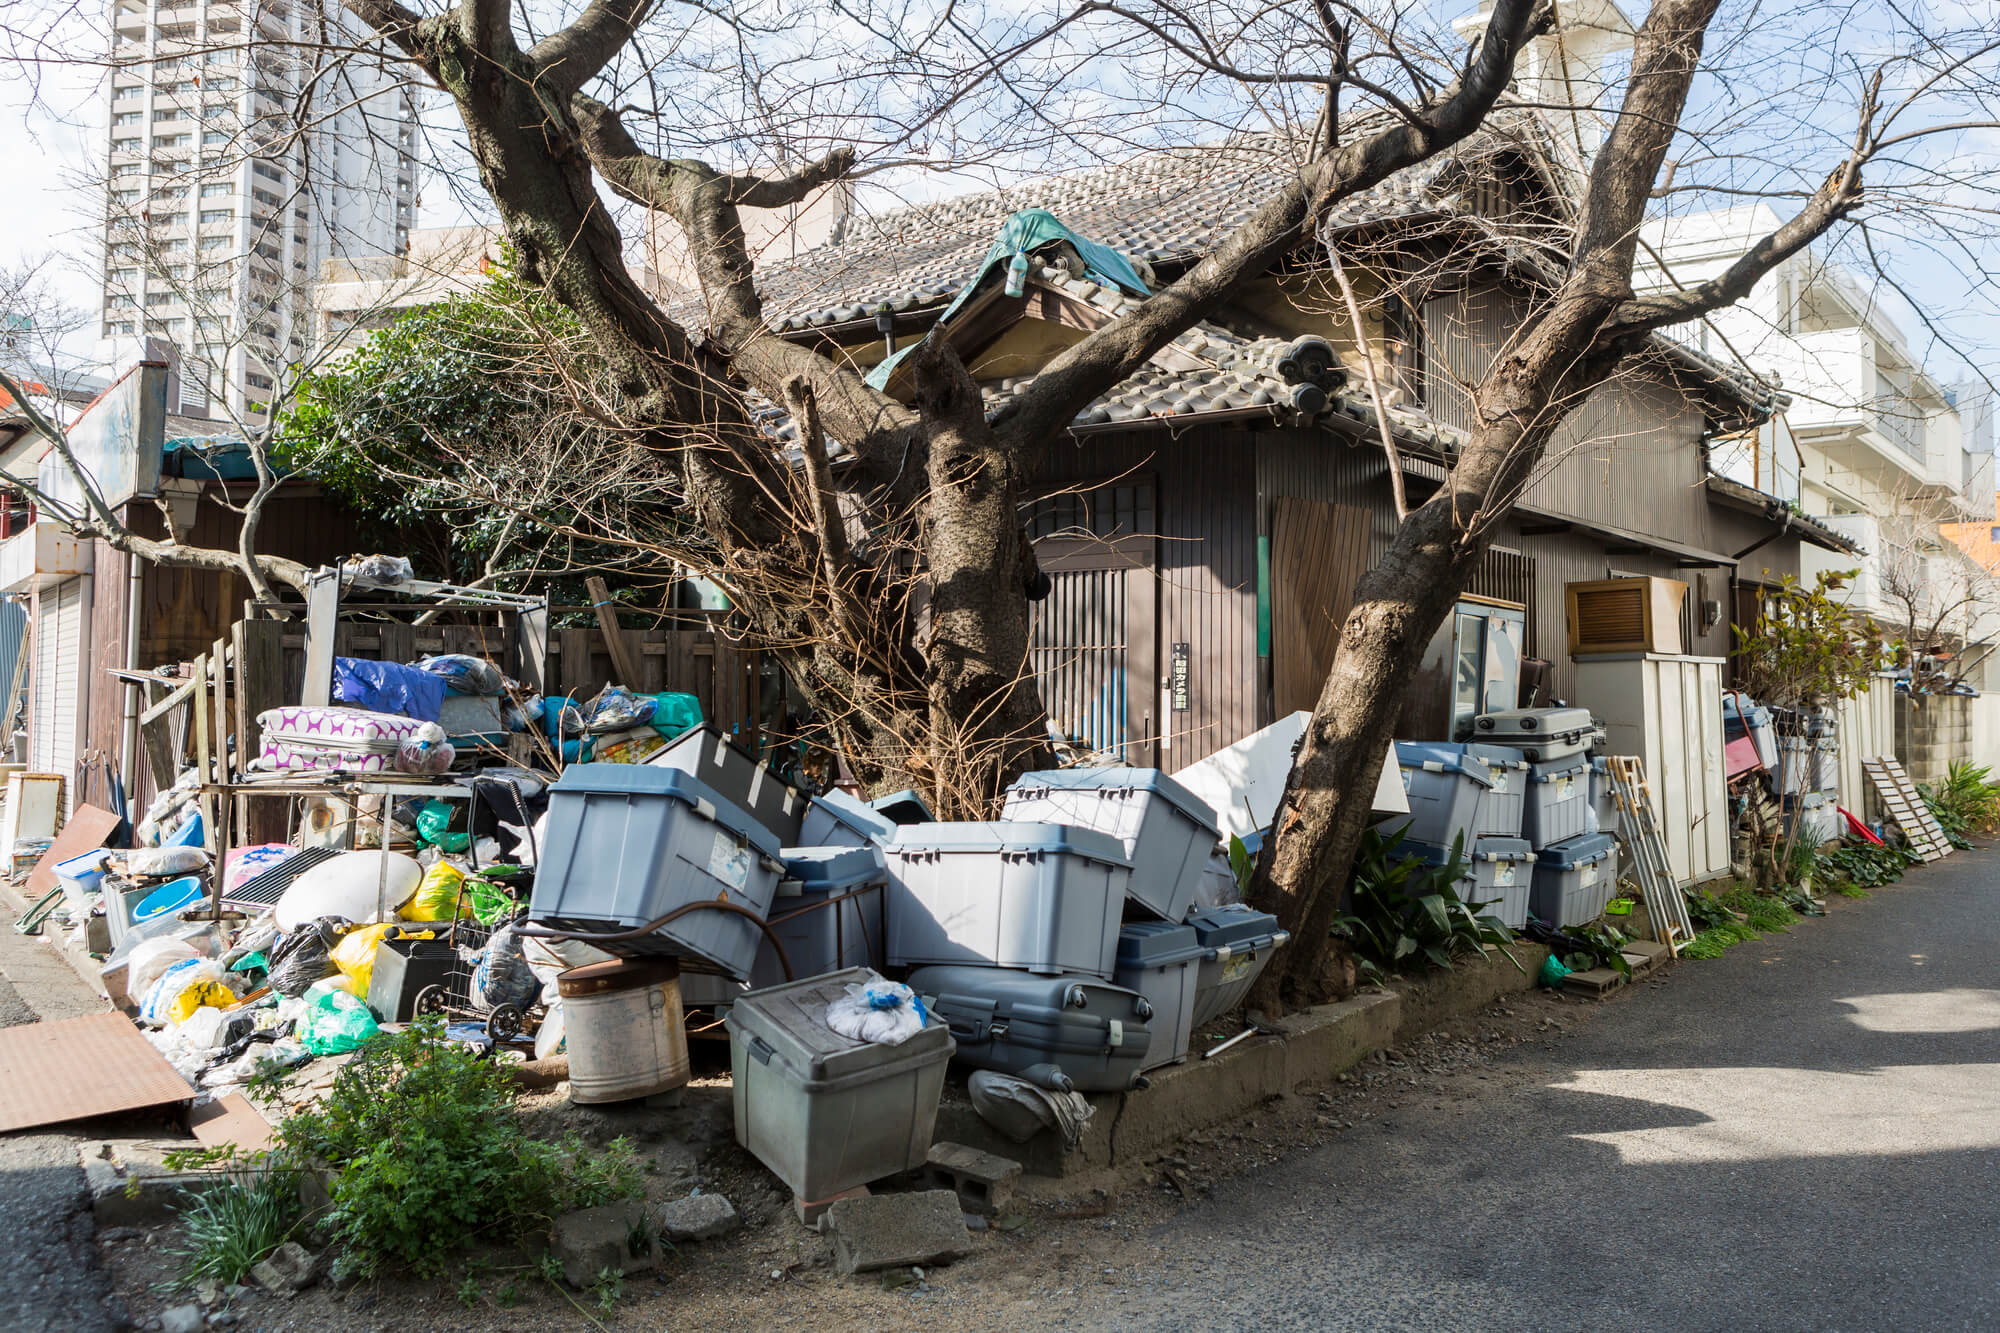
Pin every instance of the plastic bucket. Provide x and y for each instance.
(168, 898)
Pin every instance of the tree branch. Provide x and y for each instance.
(1084, 371)
(574, 56)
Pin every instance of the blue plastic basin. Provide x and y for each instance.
(169, 897)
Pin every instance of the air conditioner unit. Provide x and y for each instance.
(1633, 615)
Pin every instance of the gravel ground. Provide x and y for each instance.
(1777, 1139)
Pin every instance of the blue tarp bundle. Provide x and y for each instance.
(387, 687)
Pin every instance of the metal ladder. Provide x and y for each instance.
(1666, 904)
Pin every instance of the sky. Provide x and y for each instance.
(47, 206)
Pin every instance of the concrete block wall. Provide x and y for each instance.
(1932, 732)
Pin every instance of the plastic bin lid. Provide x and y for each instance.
(1488, 847)
(1236, 927)
(850, 813)
(1582, 850)
(1157, 944)
(1150, 780)
(832, 869)
(1551, 769)
(1500, 756)
(1009, 835)
(649, 780)
(1443, 756)
(78, 866)
(903, 807)
(791, 1021)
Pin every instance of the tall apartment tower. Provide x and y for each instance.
(245, 152)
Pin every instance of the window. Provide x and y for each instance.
(215, 243)
(168, 194)
(127, 145)
(265, 197)
(216, 112)
(267, 171)
(160, 298)
(1993, 534)
(257, 381)
(126, 94)
(128, 118)
(218, 215)
(164, 114)
(112, 328)
(178, 247)
(172, 140)
(219, 85)
(218, 57)
(126, 196)
(126, 250)
(165, 325)
(122, 275)
(122, 302)
(128, 169)
(218, 190)
(210, 138)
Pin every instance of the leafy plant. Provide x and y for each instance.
(1738, 915)
(1860, 867)
(1806, 647)
(1407, 913)
(430, 1156)
(1802, 854)
(1964, 803)
(233, 1225)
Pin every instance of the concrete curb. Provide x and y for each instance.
(56, 941)
(1312, 1047)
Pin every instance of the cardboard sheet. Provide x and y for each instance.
(86, 831)
(81, 1067)
(228, 1120)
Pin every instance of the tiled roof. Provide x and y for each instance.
(1166, 206)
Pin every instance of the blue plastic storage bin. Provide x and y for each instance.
(1044, 897)
(1162, 961)
(1502, 805)
(828, 913)
(835, 819)
(1446, 787)
(1166, 830)
(1558, 798)
(1603, 799)
(1496, 873)
(904, 807)
(1237, 942)
(627, 843)
(1574, 879)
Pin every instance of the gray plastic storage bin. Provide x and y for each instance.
(1167, 831)
(1445, 786)
(835, 819)
(821, 935)
(1826, 765)
(1575, 879)
(1098, 1035)
(1500, 805)
(903, 807)
(1497, 873)
(627, 843)
(1237, 942)
(1162, 962)
(1558, 801)
(1540, 734)
(823, 1111)
(1045, 897)
(1603, 799)
(711, 757)
(1798, 761)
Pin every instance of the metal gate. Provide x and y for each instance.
(1079, 653)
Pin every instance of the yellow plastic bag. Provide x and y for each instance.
(197, 995)
(437, 896)
(355, 954)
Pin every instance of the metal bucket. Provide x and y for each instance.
(623, 1028)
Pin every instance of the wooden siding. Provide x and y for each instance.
(1205, 573)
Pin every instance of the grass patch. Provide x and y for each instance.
(229, 1228)
(1847, 889)
(1711, 942)
(1736, 916)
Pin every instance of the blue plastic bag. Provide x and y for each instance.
(387, 687)
(466, 674)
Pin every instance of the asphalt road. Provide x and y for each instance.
(52, 1282)
(1803, 1134)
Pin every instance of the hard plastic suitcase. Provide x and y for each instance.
(1096, 1034)
(1540, 734)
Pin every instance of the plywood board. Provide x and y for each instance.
(231, 1120)
(86, 831)
(81, 1067)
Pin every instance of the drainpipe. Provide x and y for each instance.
(128, 757)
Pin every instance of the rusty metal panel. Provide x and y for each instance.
(81, 1067)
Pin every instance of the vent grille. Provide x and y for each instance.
(1611, 616)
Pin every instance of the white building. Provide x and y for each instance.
(1872, 445)
(223, 201)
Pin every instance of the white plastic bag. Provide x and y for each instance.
(148, 862)
(886, 1013)
(549, 1037)
(151, 958)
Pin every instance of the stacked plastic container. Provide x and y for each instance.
(1568, 816)
(1472, 797)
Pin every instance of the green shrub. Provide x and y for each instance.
(430, 1155)
(1964, 803)
(227, 1229)
(1861, 866)
(1406, 914)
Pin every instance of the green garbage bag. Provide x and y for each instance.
(335, 1022)
(434, 827)
(492, 903)
(1553, 972)
(676, 714)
